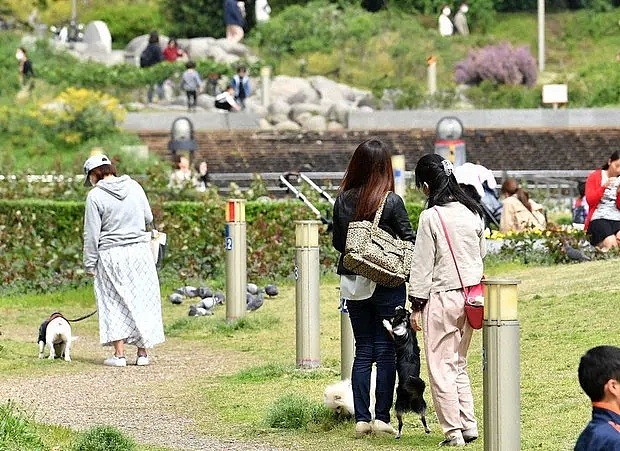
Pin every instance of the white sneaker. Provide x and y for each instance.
(362, 428)
(143, 360)
(381, 427)
(115, 361)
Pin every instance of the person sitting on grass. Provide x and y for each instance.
(599, 377)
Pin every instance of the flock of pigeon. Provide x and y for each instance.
(209, 299)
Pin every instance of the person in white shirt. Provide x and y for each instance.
(226, 100)
(262, 11)
(437, 296)
(446, 28)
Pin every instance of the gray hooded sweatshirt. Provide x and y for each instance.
(117, 212)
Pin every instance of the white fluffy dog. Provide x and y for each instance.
(339, 396)
(55, 332)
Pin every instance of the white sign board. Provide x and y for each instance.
(555, 94)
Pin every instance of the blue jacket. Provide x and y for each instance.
(232, 14)
(236, 83)
(602, 433)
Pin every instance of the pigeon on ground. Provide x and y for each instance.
(204, 292)
(203, 312)
(176, 298)
(575, 254)
(220, 298)
(271, 290)
(207, 303)
(188, 290)
(252, 288)
(192, 311)
(254, 302)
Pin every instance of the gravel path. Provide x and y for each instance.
(140, 401)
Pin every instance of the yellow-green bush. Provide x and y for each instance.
(78, 114)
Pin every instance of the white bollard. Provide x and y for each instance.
(236, 259)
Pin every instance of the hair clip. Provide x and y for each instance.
(447, 167)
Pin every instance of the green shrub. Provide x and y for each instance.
(103, 438)
(41, 244)
(290, 412)
(17, 431)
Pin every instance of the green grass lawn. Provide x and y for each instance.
(563, 311)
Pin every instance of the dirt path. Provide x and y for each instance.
(144, 402)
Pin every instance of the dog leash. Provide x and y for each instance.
(81, 317)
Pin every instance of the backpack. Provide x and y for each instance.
(579, 212)
(145, 58)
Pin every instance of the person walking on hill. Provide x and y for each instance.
(460, 20)
(26, 73)
(446, 28)
(234, 20)
(151, 56)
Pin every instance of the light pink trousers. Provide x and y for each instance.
(447, 335)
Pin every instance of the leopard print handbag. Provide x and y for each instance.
(375, 254)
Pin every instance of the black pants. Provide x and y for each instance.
(191, 99)
(223, 106)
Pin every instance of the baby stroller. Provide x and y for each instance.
(287, 180)
(480, 184)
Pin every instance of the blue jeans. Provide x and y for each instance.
(374, 344)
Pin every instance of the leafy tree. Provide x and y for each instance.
(194, 18)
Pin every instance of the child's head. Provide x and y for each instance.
(599, 373)
(241, 70)
(230, 89)
(190, 65)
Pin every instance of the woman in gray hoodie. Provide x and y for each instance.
(117, 253)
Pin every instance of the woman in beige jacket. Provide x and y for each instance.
(519, 212)
(436, 293)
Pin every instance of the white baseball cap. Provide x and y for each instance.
(94, 162)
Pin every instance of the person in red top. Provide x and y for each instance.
(603, 220)
(172, 51)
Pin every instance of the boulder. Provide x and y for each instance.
(279, 107)
(264, 124)
(327, 89)
(292, 90)
(313, 108)
(333, 126)
(97, 37)
(198, 47)
(277, 118)
(288, 126)
(205, 101)
(339, 112)
(316, 124)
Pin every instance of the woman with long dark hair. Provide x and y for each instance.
(367, 181)
(437, 296)
(603, 220)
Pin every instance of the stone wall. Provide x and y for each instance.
(513, 149)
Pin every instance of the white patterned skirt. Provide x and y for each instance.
(128, 296)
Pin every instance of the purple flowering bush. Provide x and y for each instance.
(499, 64)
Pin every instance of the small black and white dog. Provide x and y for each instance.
(410, 390)
(55, 332)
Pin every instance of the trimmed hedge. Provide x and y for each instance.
(41, 240)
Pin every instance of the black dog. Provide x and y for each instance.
(410, 390)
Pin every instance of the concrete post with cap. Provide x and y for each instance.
(236, 259)
(500, 366)
(307, 284)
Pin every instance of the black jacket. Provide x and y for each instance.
(394, 220)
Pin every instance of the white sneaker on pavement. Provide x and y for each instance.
(143, 360)
(115, 361)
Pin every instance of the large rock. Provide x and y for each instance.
(327, 89)
(139, 43)
(313, 108)
(279, 107)
(288, 126)
(316, 124)
(339, 112)
(235, 48)
(292, 90)
(198, 47)
(205, 101)
(97, 37)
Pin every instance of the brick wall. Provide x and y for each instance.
(513, 149)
